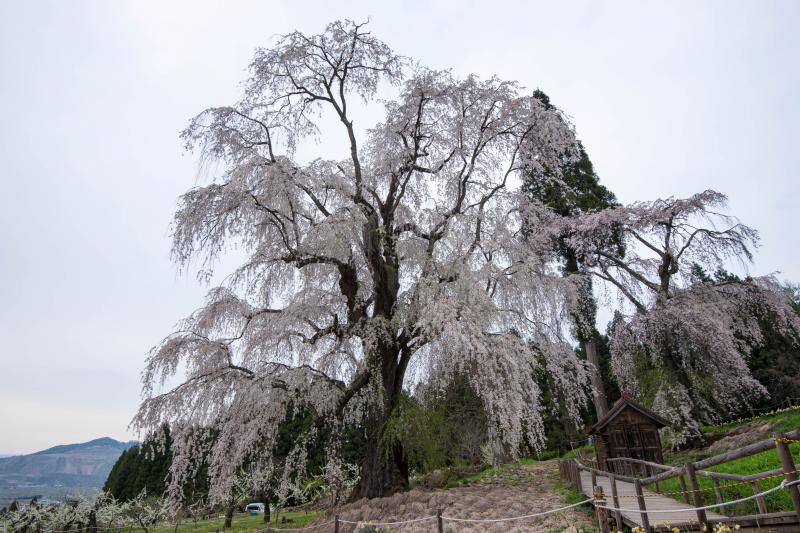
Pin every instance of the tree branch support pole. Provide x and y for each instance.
(336, 524)
(697, 496)
(439, 521)
(787, 463)
(642, 507)
(602, 516)
(615, 499)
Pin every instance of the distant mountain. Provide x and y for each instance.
(60, 470)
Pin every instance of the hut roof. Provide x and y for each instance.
(620, 406)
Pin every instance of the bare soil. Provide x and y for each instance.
(742, 435)
(516, 491)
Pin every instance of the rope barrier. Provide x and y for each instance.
(595, 500)
(551, 511)
(708, 489)
(364, 523)
(782, 486)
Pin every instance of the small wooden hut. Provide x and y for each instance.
(630, 430)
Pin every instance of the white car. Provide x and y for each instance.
(254, 508)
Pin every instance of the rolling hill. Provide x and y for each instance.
(65, 469)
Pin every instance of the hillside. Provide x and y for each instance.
(69, 468)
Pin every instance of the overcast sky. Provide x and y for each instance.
(668, 98)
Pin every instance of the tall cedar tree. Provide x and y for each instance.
(578, 190)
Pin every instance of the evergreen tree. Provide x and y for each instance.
(141, 467)
(578, 190)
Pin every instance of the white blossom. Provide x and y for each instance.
(695, 335)
(403, 261)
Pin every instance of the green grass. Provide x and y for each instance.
(487, 473)
(295, 519)
(787, 419)
(584, 451)
(570, 495)
(783, 420)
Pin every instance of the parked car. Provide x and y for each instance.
(254, 508)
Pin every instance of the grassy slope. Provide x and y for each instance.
(244, 522)
(783, 420)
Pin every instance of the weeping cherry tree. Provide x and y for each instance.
(401, 264)
(685, 343)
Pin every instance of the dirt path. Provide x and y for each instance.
(518, 490)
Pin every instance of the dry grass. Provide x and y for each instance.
(519, 490)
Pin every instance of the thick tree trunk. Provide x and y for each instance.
(595, 376)
(381, 476)
(229, 515)
(384, 472)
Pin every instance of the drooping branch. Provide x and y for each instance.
(400, 263)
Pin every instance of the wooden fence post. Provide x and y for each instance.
(594, 478)
(718, 494)
(602, 515)
(788, 468)
(762, 505)
(578, 481)
(642, 507)
(697, 496)
(439, 521)
(615, 499)
(682, 481)
(336, 524)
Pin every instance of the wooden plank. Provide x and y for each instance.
(626, 494)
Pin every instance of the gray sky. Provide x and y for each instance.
(668, 98)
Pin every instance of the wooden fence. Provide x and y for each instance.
(646, 474)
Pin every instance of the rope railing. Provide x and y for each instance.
(674, 471)
(366, 523)
(523, 517)
(599, 500)
(689, 475)
(783, 485)
(710, 488)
